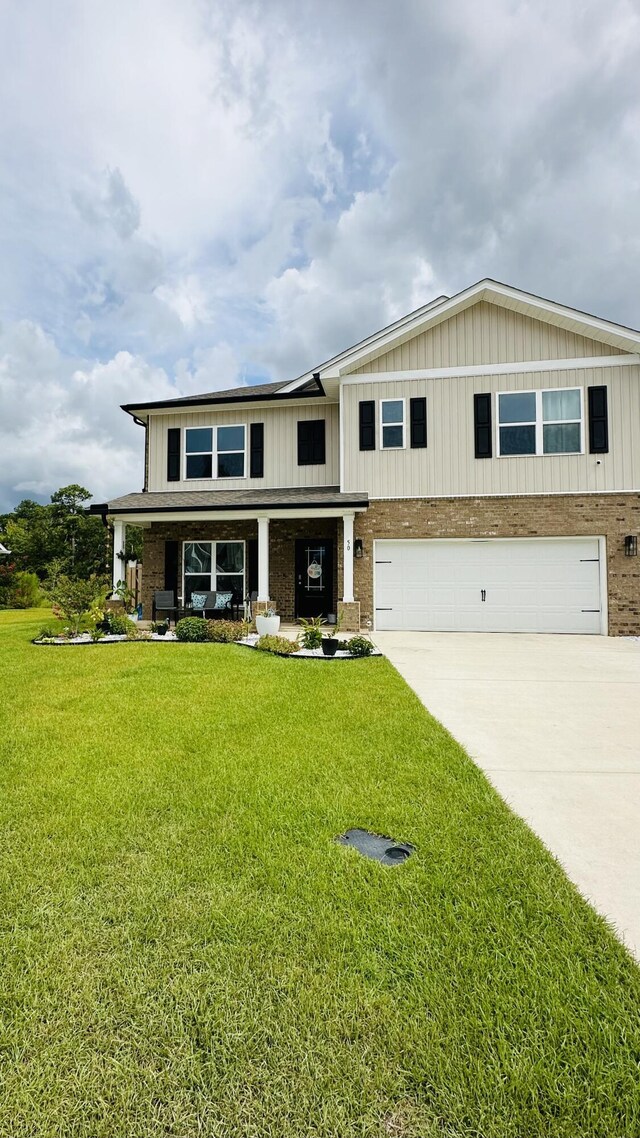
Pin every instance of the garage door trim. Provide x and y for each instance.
(378, 555)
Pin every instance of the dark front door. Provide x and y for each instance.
(314, 577)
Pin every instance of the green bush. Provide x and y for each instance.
(226, 631)
(310, 636)
(193, 629)
(73, 599)
(359, 646)
(24, 592)
(278, 645)
(120, 625)
(48, 632)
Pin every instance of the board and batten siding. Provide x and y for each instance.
(486, 334)
(447, 467)
(280, 447)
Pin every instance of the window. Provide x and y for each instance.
(392, 423)
(215, 452)
(311, 444)
(540, 422)
(213, 566)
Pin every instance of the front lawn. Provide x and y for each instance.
(186, 951)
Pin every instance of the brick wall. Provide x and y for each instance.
(282, 537)
(611, 515)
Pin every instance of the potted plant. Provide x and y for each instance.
(160, 627)
(268, 622)
(330, 642)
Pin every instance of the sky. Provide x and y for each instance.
(198, 194)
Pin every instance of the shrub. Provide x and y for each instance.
(359, 646)
(192, 629)
(278, 645)
(226, 631)
(73, 599)
(120, 625)
(24, 591)
(310, 636)
(48, 632)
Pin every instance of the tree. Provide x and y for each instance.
(63, 530)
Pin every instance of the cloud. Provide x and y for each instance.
(62, 421)
(196, 193)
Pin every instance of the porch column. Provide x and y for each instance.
(119, 567)
(263, 559)
(347, 558)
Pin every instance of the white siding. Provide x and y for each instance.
(448, 466)
(280, 446)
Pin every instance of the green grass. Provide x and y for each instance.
(187, 952)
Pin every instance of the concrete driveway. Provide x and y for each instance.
(554, 722)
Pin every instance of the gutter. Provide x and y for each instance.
(131, 408)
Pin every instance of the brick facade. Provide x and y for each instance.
(610, 515)
(282, 538)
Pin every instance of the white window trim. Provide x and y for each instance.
(394, 399)
(214, 541)
(214, 453)
(539, 424)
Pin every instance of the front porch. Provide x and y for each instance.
(301, 563)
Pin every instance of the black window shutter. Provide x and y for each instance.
(171, 566)
(598, 420)
(304, 447)
(256, 447)
(173, 454)
(482, 425)
(418, 421)
(251, 578)
(311, 442)
(367, 416)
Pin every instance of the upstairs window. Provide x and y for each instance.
(215, 452)
(392, 425)
(540, 422)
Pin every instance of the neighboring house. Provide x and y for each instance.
(474, 466)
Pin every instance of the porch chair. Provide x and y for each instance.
(164, 601)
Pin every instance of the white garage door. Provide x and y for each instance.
(516, 585)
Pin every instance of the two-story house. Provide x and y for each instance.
(473, 466)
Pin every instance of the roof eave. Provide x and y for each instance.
(227, 507)
(136, 409)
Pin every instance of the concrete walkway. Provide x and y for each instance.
(554, 721)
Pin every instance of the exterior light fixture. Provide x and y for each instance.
(358, 549)
(631, 545)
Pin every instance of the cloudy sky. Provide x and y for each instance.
(199, 193)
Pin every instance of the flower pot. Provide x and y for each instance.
(330, 646)
(267, 625)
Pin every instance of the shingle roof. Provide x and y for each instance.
(229, 395)
(245, 392)
(307, 497)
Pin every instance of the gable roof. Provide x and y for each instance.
(493, 292)
(442, 308)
